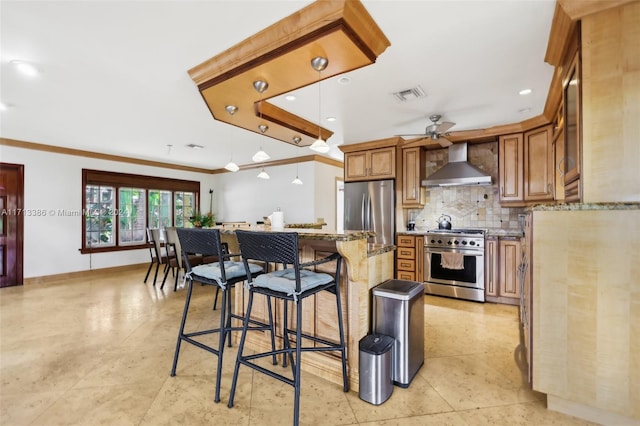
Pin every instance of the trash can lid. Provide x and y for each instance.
(399, 289)
(376, 344)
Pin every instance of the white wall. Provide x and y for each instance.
(241, 196)
(54, 182)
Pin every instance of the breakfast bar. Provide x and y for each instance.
(364, 267)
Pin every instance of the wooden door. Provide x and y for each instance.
(11, 224)
(510, 165)
(538, 165)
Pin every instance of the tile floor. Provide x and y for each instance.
(98, 352)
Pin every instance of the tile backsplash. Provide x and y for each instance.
(469, 206)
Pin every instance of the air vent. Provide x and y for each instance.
(194, 146)
(410, 94)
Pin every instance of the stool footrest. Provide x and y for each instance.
(270, 373)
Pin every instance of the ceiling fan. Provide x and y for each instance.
(436, 131)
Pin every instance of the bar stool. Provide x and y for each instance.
(293, 284)
(223, 274)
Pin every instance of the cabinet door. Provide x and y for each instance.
(510, 165)
(510, 257)
(492, 271)
(538, 164)
(382, 162)
(419, 259)
(413, 163)
(355, 165)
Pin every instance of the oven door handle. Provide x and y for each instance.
(465, 252)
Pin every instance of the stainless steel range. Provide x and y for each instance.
(454, 263)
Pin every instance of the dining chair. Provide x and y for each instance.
(157, 255)
(292, 285)
(223, 274)
(172, 242)
(151, 247)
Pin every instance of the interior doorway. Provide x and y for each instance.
(11, 224)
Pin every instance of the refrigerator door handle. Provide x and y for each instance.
(369, 212)
(362, 212)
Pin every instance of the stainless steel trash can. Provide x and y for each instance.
(376, 352)
(398, 311)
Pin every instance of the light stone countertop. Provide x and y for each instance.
(586, 206)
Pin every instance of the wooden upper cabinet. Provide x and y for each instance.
(538, 164)
(511, 168)
(377, 163)
(413, 171)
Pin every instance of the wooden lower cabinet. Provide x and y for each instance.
(410, 258)
(503, 257)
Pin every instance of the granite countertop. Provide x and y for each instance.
(585, 206)
(310, 234)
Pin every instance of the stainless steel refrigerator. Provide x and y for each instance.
(371, 206)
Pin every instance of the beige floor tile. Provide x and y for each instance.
(468, 381)
(532, 413)
(104, 405)
(188, 400)
(440, 419)
(418, 399)
(23, 408)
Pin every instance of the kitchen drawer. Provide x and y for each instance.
(406, 241)
(406, 265)
(406, 253)
(406, 275)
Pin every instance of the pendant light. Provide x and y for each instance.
(261, 86)
(297, 180)
(231, 166)
(263, 175)
(319, 64)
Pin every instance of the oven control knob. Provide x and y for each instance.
(433, 241)
(464, 242)
(473, 243)
(439, 241)
(456, 242)
(449, 242)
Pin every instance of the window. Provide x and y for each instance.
(142, 202)
(160, 214)
(98, 213)
(131, 213)
(184, 203)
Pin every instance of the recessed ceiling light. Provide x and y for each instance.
(290, 98)
(25, 67)
(344, 80)
(194, 146)
(525, 91)
(331, 119)
(3, 106)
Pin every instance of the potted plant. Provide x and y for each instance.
(200, 220)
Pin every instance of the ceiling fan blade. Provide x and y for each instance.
(444, 126)
(444, 142)
(412, 135)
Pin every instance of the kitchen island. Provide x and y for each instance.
(364, 267)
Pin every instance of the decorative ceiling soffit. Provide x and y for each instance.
(341, 31)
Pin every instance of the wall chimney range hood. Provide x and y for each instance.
(457, 171)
